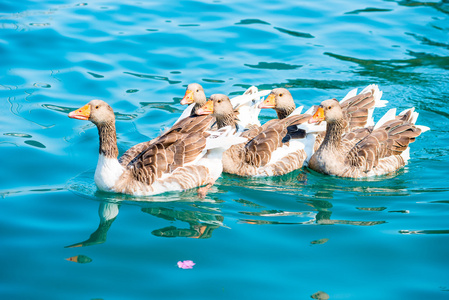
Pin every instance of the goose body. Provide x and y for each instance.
(359, 152)
(271, 149)
(177, 160)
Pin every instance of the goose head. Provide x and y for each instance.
(194, 94)
(96, 111)
(281, 101)
(218, 105)
(329, 111)
(221, 108)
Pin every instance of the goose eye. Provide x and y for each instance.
(219, 101)
(197, 91)
(96, 107)
(329, 107)
(280, 95)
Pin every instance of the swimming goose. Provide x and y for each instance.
(246, 104)
(271, 150)
(363, 152)
(179, 159)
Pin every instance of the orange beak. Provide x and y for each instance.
(318, 116)
(269, 102)
(206, 109)
(188, 98)
(82, 113)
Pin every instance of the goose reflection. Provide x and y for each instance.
(201, 224)
(108, 213)
(319, 213)
(314, 205)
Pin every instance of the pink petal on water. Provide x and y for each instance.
(187, 264)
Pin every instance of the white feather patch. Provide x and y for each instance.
(390, 115)
(285, 150)
(297, 111)
(186, 112)
(406, 155)
(107, 172)
(423, 128)
(351, 94)
(248, 107)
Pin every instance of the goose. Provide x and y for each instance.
(271, 149)
(177, 160)
(363, 151)
(246, 104)
(358, 107)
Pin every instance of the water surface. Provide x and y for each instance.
(278, 238)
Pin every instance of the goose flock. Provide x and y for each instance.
(219, 134)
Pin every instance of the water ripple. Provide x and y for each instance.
(295, 33)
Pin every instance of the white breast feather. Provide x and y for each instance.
(107, 172)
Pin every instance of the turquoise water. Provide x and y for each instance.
(279, 238)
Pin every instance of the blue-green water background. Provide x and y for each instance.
(278, 238)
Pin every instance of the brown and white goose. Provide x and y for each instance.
(358, 108)
(363, 152)
(179, 159)
(246, 104)
(270, 149)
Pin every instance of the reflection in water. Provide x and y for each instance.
(35, 144)
(95, 75)
(273, 66)
(319, 242)
(165, 106)
(107, 213)
(201, 224)
(22, 135)
(440, 6)
(367, 10)
(396, 70)
(251, 21)
(320, 214)
(154, 77)
(372, 208)
(320, 296)
(295, 33)
(81, 259)
(426, 41)
(424, 231)
(304, 83)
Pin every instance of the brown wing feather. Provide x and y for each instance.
(190, 124)
(271, 136)
(356, 108)
(187, 149)
(166, 154)
(390, 139)
(193, 124)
